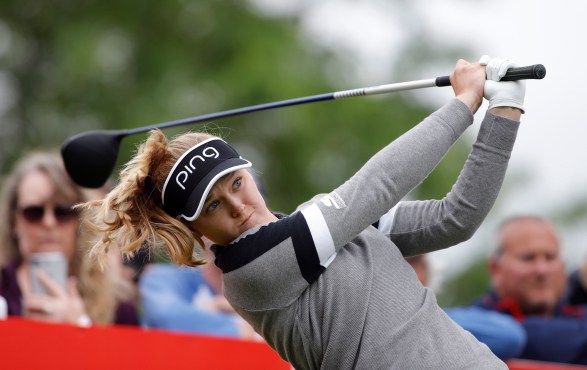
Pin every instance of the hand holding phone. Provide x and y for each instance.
(54, 264)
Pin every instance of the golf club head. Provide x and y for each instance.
(90, 157)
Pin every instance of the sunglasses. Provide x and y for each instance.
(62, 212)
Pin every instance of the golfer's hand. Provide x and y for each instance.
(467, 81)
(505, 93)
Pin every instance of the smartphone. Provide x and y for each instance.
(53, 264)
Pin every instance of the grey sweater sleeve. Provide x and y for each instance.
(389, 175)
(424, 226)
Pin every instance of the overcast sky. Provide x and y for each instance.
(550, 152)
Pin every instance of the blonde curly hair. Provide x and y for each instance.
(132, 214)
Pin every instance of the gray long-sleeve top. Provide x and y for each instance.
(327, 290)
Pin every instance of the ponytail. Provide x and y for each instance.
(132, 215)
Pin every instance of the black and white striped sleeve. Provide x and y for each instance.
(306, 231)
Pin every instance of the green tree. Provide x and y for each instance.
(467, 286)
(70, 66)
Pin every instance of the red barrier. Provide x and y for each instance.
(538, 365)
(26, 344)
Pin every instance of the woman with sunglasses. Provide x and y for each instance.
(37, 218)
(324, 286)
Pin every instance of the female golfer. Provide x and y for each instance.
(327, 286)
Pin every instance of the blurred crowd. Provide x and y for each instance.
(531, 310)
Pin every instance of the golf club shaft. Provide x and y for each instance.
(536, 71)
(90, 157)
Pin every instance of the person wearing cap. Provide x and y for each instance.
(190, 300)
(323, 286)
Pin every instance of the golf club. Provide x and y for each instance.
(90, 157)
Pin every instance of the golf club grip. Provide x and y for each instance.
(532, 72)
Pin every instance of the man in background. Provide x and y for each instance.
(528, 282)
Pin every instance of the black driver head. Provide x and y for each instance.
(90, 157)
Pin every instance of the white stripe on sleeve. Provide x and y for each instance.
(386, 221)
(320, 234)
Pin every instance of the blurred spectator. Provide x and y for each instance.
(182, 299)
(502, 334)
(189, 300)
(36, 215)
(528, 283)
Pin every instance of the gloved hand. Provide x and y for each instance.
(505, 93)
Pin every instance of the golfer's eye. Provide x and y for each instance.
(212, 206)
(237, 183)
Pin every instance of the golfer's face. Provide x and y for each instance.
(233, 206)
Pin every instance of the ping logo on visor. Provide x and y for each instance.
(195, 173)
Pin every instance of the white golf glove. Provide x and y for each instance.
(505, 93)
